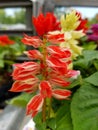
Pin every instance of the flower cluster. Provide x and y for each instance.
(74, 28)
(49, 72)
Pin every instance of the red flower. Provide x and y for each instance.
(44, 24)
(4, 40)
(83, 23)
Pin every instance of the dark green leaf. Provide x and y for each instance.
(84, 108)
(51, 123)
(63, 118)
(90, 55)
(93, 79)
(81, 63)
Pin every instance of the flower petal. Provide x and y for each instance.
(34, 105)
(34, 41)
(44, 24)
(55, 37)
(21, 86)
(45, 89)
(34, 54)
(61, 94)
(59, 81)
(72, 74)
(59, 52)
(25, 69)
(55, 62)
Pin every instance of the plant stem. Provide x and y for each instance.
(44, 111)
(49, 108)
(44, 74)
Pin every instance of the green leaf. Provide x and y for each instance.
(41, 126)
(51, 123)
(38, 122)
(17, 48)
(75, 82)
(81, 63)
(93, 79)
(1, 63)
(84, 108)
(90, 45)
(63, 118)
(21, 100)
(90, 55)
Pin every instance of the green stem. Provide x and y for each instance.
(49, 107)
(44, 111)
(44, 75)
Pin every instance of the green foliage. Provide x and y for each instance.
(9, 53)
(90, 45)
(62, 120)
(84, 108)
(21, 100)
(86, 63)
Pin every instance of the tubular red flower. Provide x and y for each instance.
(54, 62)
(55, 38)
(24, 69)
(34, 54)
(34, 41)
(72, 74)
(59, 81)
(83, 23)
(34, 105)
(19, 86)
(44, 24)
(4, 40)
(57, 52)
(45, 89)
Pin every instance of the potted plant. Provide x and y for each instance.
(61, 80)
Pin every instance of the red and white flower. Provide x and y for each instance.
(49, 76)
